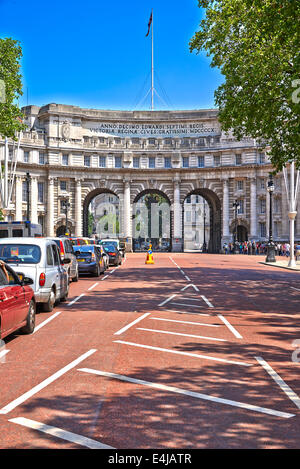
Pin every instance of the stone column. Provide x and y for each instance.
(177, 218)
(226, 232)
(78, 208)
(284, 212)
(18, 199)
(126, 215)
(34, 200)
(253, 210)
(50, 207)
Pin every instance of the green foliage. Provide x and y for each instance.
(1, 215)
(255, 44)
(90, 223)
(10, 114)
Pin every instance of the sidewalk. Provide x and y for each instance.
(283, 264)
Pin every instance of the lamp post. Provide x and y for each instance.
(270, 246)
(204, 218)
(65, 206)
(28, 180)
(236, 206)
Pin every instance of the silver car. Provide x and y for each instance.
(38, 259)
(66, 250)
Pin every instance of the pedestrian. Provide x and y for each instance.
(297, 251)
(287, 247)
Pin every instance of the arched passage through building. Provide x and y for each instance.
(102, 214)
(202, 221)
(151, 221)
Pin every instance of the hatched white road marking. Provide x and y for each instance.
(186, 312)
(181, 334)
(59, 433)
(230, 327)
(185, 392)
(206, 301)
(167, 300)
(187, 322)
(131, 324)
(190, 285)
(282, 384)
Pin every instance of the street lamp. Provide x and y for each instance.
(204, 217)
(65, 205)
(270, 246)
(28, 180)
(236, 207)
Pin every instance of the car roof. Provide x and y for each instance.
(27, 240)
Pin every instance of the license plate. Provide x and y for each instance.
(81, 260)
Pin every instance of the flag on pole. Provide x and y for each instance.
(149, 24)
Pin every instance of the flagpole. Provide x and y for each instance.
(152, 70)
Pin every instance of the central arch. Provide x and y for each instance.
(151, 220)
(214, 204)
(86, 204)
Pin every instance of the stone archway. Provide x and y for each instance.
(88, 199)
(152, 220)
(214, 244)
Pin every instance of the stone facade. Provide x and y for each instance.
(79, 153)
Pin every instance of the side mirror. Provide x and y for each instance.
(27, 281)
(66, 261)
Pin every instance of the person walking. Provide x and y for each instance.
(297, 251)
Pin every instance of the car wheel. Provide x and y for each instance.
(75, 279)
(30, 320)
(64, 298)
(48, 307)
(97, 273)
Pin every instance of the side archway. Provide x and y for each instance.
(87, 201)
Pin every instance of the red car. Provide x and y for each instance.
(17, 303)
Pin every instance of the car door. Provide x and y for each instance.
(20, 301)
(57, 277)
(63, 275)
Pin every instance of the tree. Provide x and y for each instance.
(255, 44)
(10, 87)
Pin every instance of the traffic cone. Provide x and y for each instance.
(149, 258)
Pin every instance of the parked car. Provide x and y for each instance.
(116, 242)
(38, 259)
(105, 256)
(89, 259)
(115, 256)
(17, 303)
(66, 252)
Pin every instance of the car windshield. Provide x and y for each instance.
(84, 250)
(20, 253)
(109, 248)
(109, 243)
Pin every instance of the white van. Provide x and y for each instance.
(38, 259)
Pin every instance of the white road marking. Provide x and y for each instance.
(185, 392)
(42, 324)
(44, 383)
(295, 288)
(167, 300)
(186, 312)
(190, 285)
(189, 354)
(230, 327)
(93, 286)
(206, 301)
(181, 334)
(105, 276)
(282, 384)
(184, 304)
(187, 322)
(3, 353)
(188, 279)
(189, 298)
(112, 271)
(59, 433)
(131, 324)
(76, 299)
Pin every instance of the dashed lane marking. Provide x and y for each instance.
(59, 433)
(219, 400)
(42, 324)
(230, 327)
(76, 299)
(93, 286)
(12, 405)
(131, 324)
(189, 354)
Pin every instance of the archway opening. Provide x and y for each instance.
(242, 233)
(202, 221)
(151, 221)
(102, 215)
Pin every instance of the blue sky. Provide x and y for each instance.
(95, 54)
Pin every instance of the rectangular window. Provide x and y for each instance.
(41, 192)
(151, 162)
(26, 157)
(241, 209)
(65, 160)
(118, 162)
(168, 162)
(151, 141)
(63, 185)
(201, 161)
(217, 160)
(42, 158)
(185, 162)
(136, 162)
(238, 159)
(102, 161)
(262, 206)
(240, 185)
(24, 191)
(135, 141)
(87, 161)
(261, 157)
(262, 184)
(262, 229)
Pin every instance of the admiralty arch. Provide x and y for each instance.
(179, 160)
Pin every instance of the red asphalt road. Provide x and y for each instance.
(232, 309)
